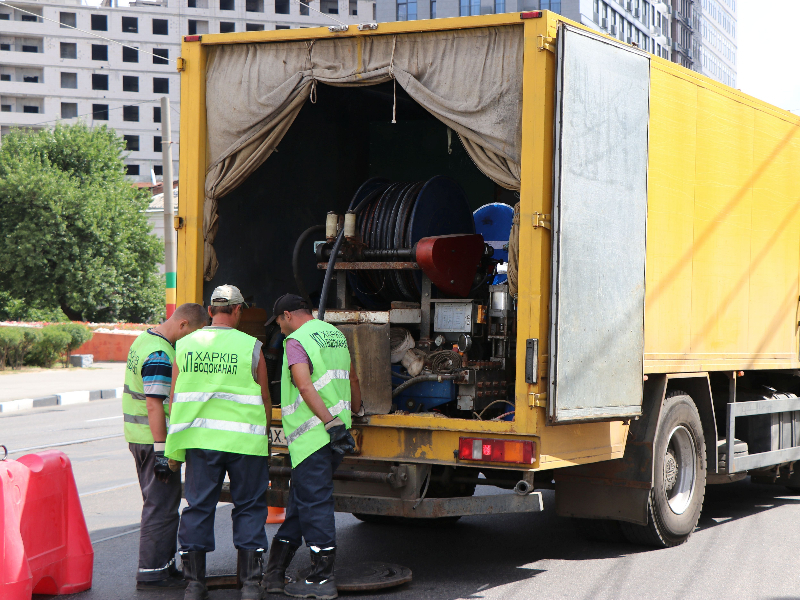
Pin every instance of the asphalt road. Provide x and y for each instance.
(746, 545)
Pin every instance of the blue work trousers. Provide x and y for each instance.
(205, 473)
(309, 514)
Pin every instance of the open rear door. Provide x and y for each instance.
(599, 226)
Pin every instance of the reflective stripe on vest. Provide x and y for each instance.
(327, 351)
(204, 396)
(318, 385)
(134, 400)
(217, 404)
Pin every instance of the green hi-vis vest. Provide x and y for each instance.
(326, 346)
(217, 404)
(134, 402)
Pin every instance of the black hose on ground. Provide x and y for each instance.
(301, 288)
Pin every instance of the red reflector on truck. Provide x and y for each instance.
(192, 38)
(531, 14)
(507, 451)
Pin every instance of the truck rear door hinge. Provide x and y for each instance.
(181, 64)
(541, 220)
(537, 400)
(547, 43)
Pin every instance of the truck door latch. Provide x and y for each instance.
(547, 43)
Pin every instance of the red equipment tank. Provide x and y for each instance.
(46, 546)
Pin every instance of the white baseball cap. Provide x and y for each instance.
(227, 295)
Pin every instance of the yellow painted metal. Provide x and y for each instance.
(192, 173)
(723, 228)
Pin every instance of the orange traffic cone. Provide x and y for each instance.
(275, 515)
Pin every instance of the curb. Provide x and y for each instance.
(64, 399)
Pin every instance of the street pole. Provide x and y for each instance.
(170, 256)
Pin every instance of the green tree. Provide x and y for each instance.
(78, 336)
(51, 345)
(73, 234)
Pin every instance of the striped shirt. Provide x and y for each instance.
(157, 373)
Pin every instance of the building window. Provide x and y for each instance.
(282, 7)
(100, 112)
(281, 27)
(406, 10)
(99, 52)
(499, 6)
(354, 7)
(130, 24)
(160, 27)
(69, 110)
(160, 85)
(99, 23)
(470, 7)
(131, 143)
(191, 3)
(30, 79)
(5, 47)
(5, 108)
(198, 27)
(227, 27)
(5, 77)
(5, 17)
(554, 5)
(329, 7)
(158, 170)
(226, 5)
(130, 54)
(29, 18)
(433, 9)
(130, 113)
(30, 109)
(156, 114)
(254, 5)
(99, 82)
(31, 49)
(304, 8)
(130, 84)
(131, 169)
(67, 20)
(157, 144)
(161, 56)
(69, 50)
(253, 27)
(69, 80)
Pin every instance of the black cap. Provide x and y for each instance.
(287, 302)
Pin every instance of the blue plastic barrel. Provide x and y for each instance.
(493, 221)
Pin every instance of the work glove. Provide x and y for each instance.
(341, 440)
(161, 466)
(361, 412)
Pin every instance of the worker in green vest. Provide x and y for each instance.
(220, 413)
(319, 388)
(148, 376)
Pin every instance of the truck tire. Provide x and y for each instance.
(679, 477)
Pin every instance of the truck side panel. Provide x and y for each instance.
(723, 229)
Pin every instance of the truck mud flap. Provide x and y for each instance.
(432, 508)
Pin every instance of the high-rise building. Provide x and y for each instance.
(698, 34)
(51, 73)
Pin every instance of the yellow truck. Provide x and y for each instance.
(645, 342)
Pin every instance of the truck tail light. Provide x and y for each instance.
(531, 14)
(488, 450)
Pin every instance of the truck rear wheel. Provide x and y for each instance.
(679, 477)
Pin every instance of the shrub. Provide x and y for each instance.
(10, 339)
(79, 335)
(52, 343)
(30, 336)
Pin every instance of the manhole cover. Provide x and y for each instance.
(371, 576)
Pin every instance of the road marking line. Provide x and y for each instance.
(83, 441)
(109, 489)
(111, 537)
(104, 419)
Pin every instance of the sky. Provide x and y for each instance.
(768, 53)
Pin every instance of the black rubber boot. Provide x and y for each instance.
(320, 583)
(280, 556)
(250, 572)
(194, 572)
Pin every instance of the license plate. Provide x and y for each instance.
(276, 437)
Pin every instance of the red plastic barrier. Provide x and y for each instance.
(46, 546)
